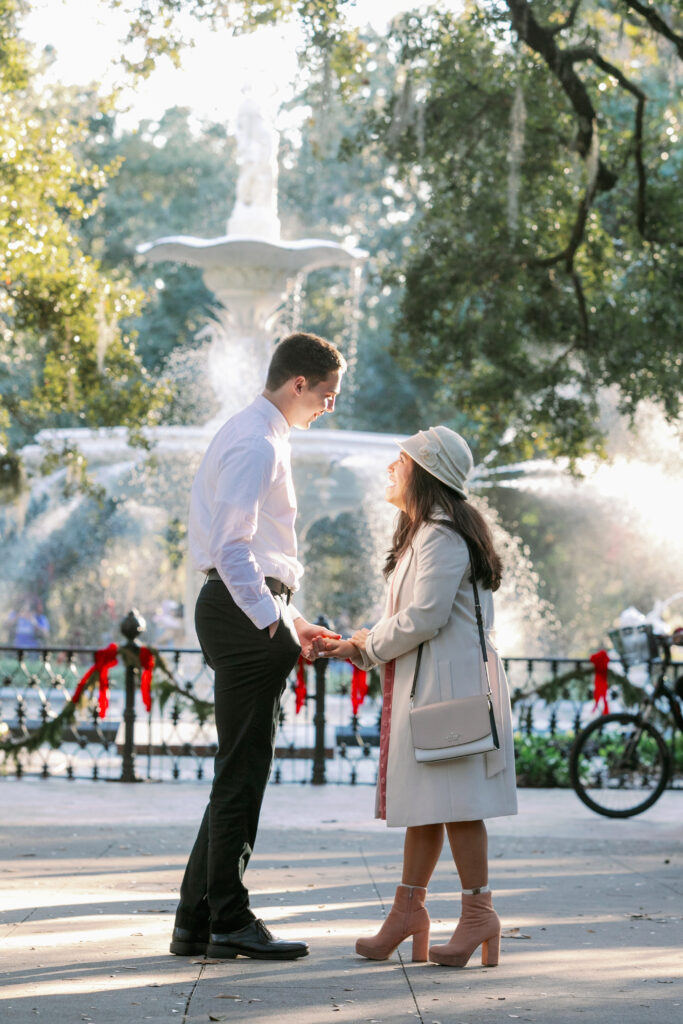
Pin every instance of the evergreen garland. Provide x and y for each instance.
(51, 732)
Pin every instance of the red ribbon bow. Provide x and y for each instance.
(147, 666)
(359, 688)
(300, 689)
(601, 660)
(105, 659)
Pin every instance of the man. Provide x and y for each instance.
(241, 534)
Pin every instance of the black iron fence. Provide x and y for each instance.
(172, 735)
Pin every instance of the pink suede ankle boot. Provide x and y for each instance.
(408, 916)
(479, 925)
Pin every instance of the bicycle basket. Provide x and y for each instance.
(634, 644)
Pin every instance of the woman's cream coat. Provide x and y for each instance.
(431, 599)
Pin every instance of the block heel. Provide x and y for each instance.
(408, 916)
(421, 946)
(479, 925)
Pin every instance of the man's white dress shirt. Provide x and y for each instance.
(243, 508)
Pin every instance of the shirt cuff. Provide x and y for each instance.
(264, 612)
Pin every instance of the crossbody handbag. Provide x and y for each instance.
(459, 727)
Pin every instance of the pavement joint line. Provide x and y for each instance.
(192, 992)
(640, 874)
(13, 927)
(398, 951)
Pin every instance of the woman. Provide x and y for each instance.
(431, 601)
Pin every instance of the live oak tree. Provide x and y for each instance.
(63, 357)
(543, 140)
(175, 176)
(533, 154)
(547, 264)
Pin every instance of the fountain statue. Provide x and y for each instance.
(250, 269)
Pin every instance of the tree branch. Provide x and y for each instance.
(569, 20)
(581, 300)
(567, 254)
(656, 21)
(581, 53)
(640, 167)
(561, 63)
(542, 40)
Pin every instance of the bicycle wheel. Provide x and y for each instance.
(619, 765)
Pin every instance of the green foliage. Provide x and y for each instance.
(52, 731)
(335, 183)
(174, 177)
(678, 754)
(576, 684)
(168, 687)
(338, 552)
(158, 28)
(542, 762)
(63, 357)
(531, 285)
(508, 283)
(539, 258)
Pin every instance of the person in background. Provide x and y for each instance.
(31, 625)
(168, 624)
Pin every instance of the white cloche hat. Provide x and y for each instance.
(444, 454)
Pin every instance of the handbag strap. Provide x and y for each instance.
(480, 629)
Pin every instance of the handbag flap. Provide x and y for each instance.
(450, 722)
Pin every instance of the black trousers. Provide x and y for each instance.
(250, 674)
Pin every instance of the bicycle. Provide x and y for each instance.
(620, 763)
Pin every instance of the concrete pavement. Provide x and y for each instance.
(592, 912)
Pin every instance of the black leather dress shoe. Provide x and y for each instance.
(255, 941)
(188, 943)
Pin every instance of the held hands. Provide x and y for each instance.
(336, 648)
(311, 636)
(342, 649)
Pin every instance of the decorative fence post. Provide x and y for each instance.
(131, 627)
(320, 669)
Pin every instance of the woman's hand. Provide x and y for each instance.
(359, 638)
(323, 647)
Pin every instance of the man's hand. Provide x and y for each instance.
(334, 648)
(307, 633)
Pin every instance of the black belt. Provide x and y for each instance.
(274, 586)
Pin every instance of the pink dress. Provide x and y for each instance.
(384, 732)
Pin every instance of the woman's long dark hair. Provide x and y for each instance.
(424, 494)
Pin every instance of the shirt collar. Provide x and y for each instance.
(272, 415)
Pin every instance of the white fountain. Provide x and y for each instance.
(250, 270)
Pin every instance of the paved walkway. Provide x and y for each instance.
(592, 912)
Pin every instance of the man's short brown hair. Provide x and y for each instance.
(303, 355)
